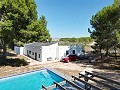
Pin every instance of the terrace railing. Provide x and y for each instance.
(61, 87)
(98, 76)
(86, 85)
(108, 84)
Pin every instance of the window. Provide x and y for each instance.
(32, 53)
(39, 55)
(29, 52)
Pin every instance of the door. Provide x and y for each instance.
(35, 56)
(27, 53)
(67, 52)
(73, 51)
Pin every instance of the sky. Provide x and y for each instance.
(69, 18)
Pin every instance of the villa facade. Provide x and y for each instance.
(49, 51)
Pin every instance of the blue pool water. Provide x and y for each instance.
(30, 81)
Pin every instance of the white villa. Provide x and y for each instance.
(47, 51)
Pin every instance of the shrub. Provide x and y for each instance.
(16, 62)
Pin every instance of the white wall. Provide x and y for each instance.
(33, 49)
(49, 52)
(52, 51)
(77, 48)
(18, 50)
(62, 51)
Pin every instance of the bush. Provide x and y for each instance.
(14, 62)
(17, 62)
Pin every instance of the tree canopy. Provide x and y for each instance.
(36, 31)
(106, 24)
(19, 22)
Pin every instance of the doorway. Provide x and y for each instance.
(67, 52)
(73, 51)
(27, 53)
(35, 56)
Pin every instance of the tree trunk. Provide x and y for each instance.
(4, 54)
(106, 51)
(101, 52)
(115, 53)
(12, 45)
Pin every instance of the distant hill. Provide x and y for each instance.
(55, 39)
(81, 41)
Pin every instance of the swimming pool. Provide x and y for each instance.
(30, 81)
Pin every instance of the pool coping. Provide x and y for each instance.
(64, 76)
(12, 75)
(61, 75)
(50, 69)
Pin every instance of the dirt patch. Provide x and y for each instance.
(9, 70)
(68, 72)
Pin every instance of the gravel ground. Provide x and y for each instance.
(71, 68)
